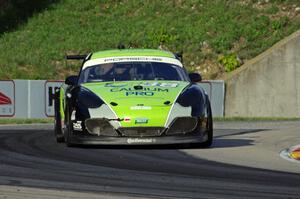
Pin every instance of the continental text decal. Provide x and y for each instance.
(140, 140)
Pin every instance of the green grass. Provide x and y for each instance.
(35, 48)
(25, 121)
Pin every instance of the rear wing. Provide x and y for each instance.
(82, 57)
(77, 57)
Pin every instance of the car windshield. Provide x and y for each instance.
(128, 71)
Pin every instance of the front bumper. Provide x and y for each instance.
(100, 132)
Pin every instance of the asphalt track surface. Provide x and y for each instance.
(33, 165)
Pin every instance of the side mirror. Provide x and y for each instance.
(71, 80)
(195, 77)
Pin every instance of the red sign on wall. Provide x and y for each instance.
(7, 98)
(4, 100)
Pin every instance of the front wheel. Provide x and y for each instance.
(58, 131)
(68, 130)
(68, 134)
(209, 128)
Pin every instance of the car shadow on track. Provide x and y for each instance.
(217, 143)
(220, 141)
(230, 143)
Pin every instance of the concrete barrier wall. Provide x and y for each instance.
(216, 93)
(35, 98)
(27, 98)
(268, 85)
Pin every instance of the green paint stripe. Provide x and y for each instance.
(132, 52)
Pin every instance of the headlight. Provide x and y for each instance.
(89, 99)
(189, 97)
(193, 97)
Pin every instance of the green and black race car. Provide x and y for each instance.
(132, 96)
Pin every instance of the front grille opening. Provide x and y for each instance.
(182, 125)
(100, 126)
(141, 131)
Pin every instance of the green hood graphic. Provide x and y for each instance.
(139, 103)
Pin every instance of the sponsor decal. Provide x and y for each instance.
(113, 85)
(73, 115)
(148, 88)
(139, 93)
(132, 59)
(141, 120)
(140, 108)
(7, 98)
(50, 88)
(140, 140)
(127, 119)
(144, 89)
(119, 59)
(160, 84)
(77, 126)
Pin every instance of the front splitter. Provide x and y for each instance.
(137, 140)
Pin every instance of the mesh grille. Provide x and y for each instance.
(141, 131)
(100, 126)
(182, 125)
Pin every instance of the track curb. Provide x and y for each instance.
(291, 154)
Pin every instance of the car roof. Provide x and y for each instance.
(132, 52)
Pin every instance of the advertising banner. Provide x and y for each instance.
(50, 87)
(7, 98)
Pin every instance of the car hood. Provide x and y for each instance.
(139, 103)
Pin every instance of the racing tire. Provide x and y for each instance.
(68, 130)
(209, 129)
(67, 136)
(58, 131)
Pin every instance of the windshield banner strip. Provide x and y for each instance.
(131, 59)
